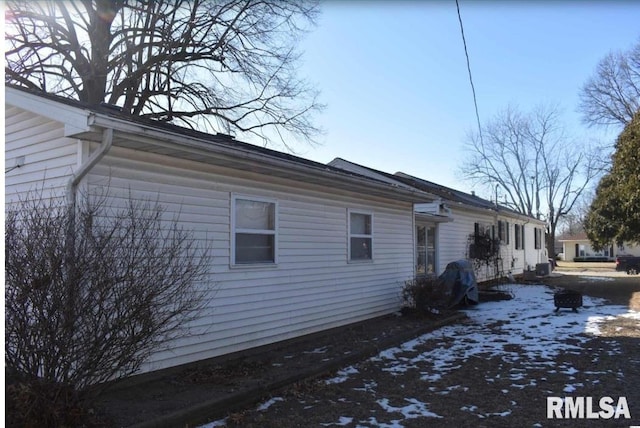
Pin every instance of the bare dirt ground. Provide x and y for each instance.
(484, 391)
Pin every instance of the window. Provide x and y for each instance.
(519, 236)
(481, 230)
(360, 236)
(254, 231)
(537, 238)
(507, 229)
(503, 232)
(425, 250)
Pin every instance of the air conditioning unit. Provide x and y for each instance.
(543, 269)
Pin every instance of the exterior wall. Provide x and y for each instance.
(569, 250)
(453, 238)
(454, 243)
(533, 256)
(49, 157)
(627, 250)
(313, 286)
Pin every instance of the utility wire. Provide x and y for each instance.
(473, 89)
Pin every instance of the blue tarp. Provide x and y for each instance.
(458, 283)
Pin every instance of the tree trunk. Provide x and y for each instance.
(95, 82)
(551, 240)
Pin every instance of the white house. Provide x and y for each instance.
(578, 247)
(448, 226)
(298, 246)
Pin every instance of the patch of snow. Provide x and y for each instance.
(322, 350)
(487, 335)
(569, 388)
(342, 375)
(264, 406)
(373, 422)
(525, 330)
(369, 386)
(415, 409)
(342, 421)
(214, 424)
(597, 278)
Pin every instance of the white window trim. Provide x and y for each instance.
(350, 235)
(233, 231)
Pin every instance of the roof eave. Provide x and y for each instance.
(220, 154)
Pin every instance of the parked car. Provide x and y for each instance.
(629, 264)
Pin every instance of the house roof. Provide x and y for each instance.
(580, 236)
(448, 195)
(86, 122)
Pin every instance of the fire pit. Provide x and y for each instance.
(567, 299)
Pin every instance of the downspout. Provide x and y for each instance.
(69, 315)
(72, 186)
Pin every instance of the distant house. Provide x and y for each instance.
(445, 229)
(298, 246)
(577, 247)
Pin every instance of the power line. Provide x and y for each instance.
(473, 89)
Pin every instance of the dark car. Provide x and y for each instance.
(629, 264)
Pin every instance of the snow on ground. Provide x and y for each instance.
(528, 321)
(525, 330)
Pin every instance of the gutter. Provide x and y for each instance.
(72, 186)
(194, 145)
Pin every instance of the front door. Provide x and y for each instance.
(425, 249)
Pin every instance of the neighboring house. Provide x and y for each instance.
(448, 226)
(577, 247)
(298, 246)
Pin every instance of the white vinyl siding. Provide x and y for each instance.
(48, 158)
(313, 286)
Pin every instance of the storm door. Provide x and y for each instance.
(425, 250)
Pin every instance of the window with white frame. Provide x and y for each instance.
(254, 230)
(360, 236)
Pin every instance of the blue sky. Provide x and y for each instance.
(394, 76)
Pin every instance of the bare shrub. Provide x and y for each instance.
(90, 294)
(423, 296)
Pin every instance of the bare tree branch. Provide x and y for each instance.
(612, 95)
(541, 173)
(205, 64)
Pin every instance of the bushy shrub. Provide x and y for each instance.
(90, 294)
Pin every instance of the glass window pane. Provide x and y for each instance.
(421, 250)
(360, 224)
(255, 215)
(255, 248)
(431, 250)
(422, 236)
(360, 248)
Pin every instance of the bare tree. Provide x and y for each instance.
(226, 66)
(88, 301)
(612, 95)
(540, 172)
